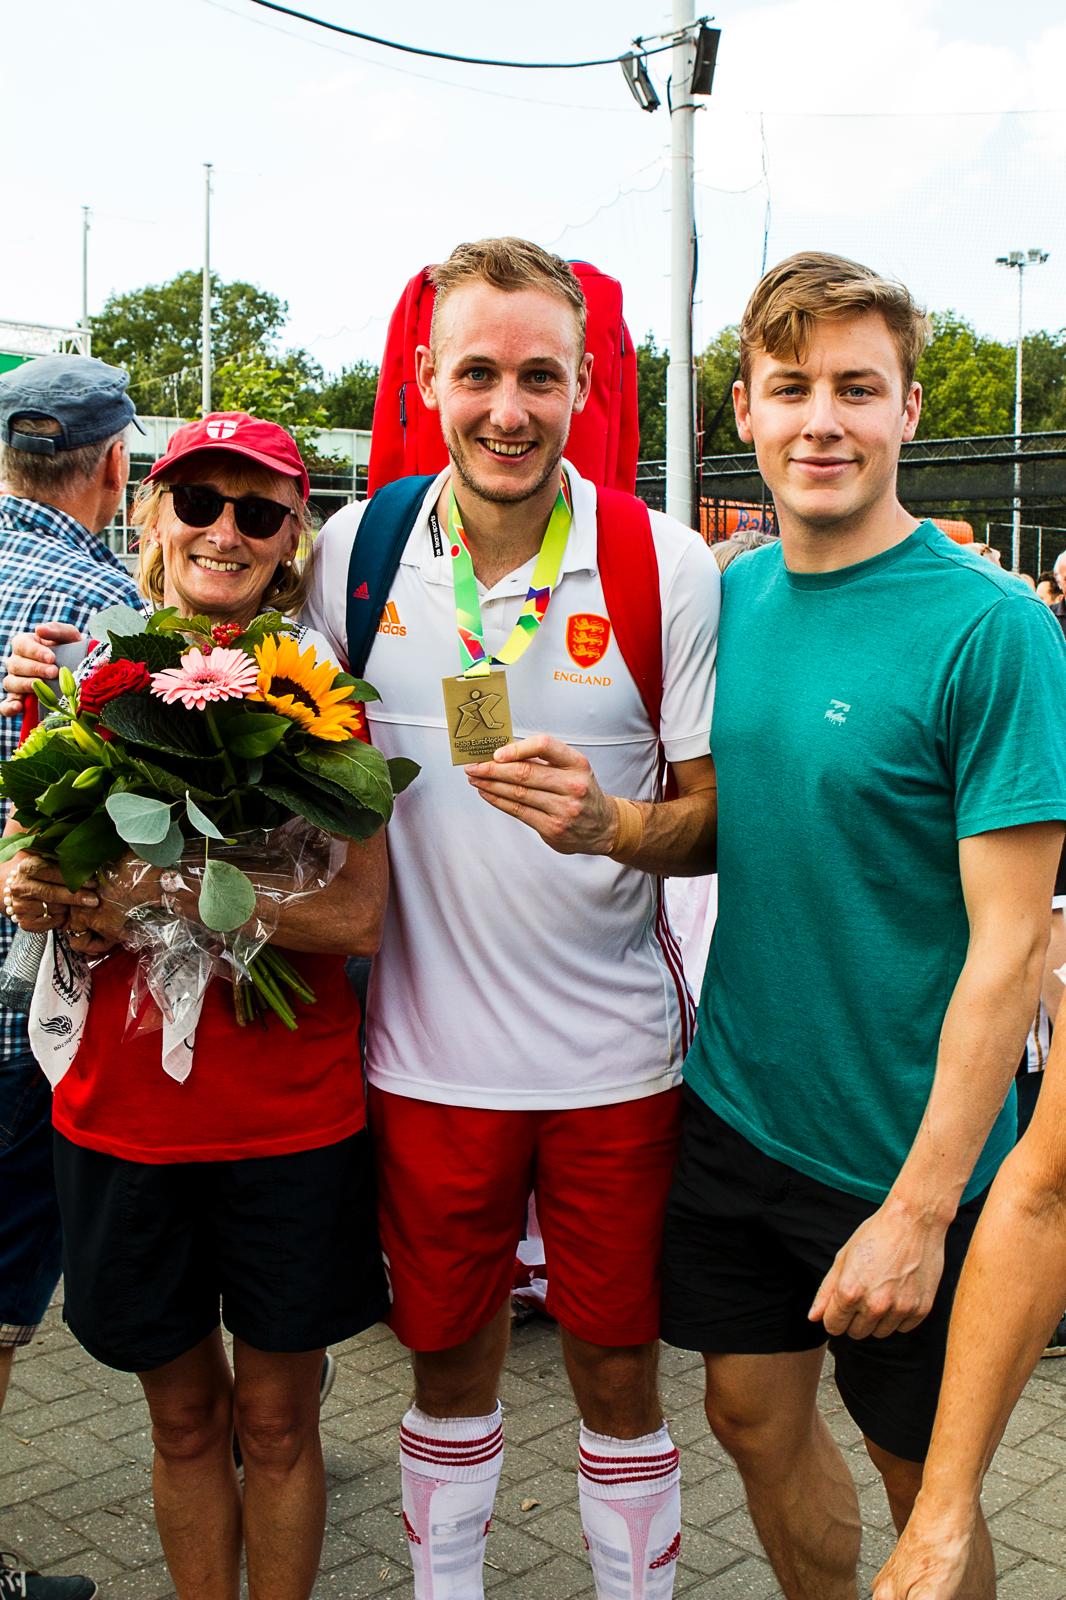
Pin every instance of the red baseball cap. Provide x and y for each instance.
(241, 435)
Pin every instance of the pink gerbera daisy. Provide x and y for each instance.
(222, 675)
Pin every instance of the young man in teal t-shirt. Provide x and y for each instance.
(891, 786)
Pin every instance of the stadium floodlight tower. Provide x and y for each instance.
(1019, 259)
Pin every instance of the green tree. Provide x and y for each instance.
(716, 371)
(154, 333)
(1044, 382)
(967, 381)
(651, 398)
(284, 389)
(348, 399)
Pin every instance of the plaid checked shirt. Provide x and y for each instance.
(51, 570)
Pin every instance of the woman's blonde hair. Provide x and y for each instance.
(287, 589)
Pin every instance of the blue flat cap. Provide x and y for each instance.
(87, 399)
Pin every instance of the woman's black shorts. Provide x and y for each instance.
(286, 1245)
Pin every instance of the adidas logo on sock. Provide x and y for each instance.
(407, 1528)
(671, 1553)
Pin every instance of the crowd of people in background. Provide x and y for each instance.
(854, 724)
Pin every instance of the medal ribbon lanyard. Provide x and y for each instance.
(473, 657)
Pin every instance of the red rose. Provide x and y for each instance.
(109, 680)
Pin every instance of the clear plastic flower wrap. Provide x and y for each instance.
(179, 954)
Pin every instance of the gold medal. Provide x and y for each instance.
(478, 713)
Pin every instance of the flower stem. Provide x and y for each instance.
(227, 765)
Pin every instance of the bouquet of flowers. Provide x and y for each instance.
(195, 747)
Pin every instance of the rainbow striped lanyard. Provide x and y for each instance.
(474, 659)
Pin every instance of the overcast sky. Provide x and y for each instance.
(923, 136)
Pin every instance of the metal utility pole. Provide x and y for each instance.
(1019, 259)
(85, 266)
(680, 421)
(205, 320)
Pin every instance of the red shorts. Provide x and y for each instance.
(453, 1183)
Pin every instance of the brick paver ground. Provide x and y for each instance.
(75, 1488)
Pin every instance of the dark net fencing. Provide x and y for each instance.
(970, 480)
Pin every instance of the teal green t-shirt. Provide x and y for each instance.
(865, 721)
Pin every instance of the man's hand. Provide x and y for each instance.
(930, 1561)
(552, 789)
(884, 1280)
(31, 657)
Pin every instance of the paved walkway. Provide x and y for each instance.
(75, 1489)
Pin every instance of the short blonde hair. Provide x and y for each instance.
(813, 286)
(287, 589)
(508, 264)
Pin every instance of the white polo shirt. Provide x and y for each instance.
(511, 976)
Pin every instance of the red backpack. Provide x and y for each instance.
(604, 438)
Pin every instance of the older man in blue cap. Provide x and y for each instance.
(64, 465)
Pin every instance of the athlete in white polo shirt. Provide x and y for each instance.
(528, 1016)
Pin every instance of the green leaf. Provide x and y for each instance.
(115, 619)
(250, 734)
(87, 848)
(156, 650)
(356, 767)
(138, 818)
(153, 776)
(143, 719)
(14, 843)
(61, 796)
(165, 620)
(200, 821)
(402, 773)
(25, 778)
(227, 898)
(166, 852)
(363, 691)
(324, 809)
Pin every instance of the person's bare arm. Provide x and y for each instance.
(886, 1275)
(552, 788)
(344, 918)
(1010, 1296)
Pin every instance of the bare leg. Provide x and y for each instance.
(902, 1480)
(276, 1414)
(464, 1381)
(7, 1356)
(197, 1500)
(764, 1411)
(616, 1389)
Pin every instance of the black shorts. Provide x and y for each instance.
(748, 1241)
(287, 1245)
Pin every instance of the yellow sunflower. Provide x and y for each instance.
(297, 686)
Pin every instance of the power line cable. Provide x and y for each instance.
(444, 55)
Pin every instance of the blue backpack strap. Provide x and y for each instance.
(383, 531)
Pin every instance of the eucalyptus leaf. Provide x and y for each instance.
(115, 619)
(138, 818)
(166, 852)
(200, 821)
(227, 898)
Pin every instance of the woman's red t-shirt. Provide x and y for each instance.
(253, 1091)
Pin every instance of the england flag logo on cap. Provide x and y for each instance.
(221, 430)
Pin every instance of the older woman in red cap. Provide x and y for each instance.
(246, 1189)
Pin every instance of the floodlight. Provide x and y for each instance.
(706, 56)
(640, 85)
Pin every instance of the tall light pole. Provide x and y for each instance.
(1020, 259)
(205, 317)
(85, 266)
(680, 428)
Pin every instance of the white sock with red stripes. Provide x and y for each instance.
(630, 1493)
(450, 1467)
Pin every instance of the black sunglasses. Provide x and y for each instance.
(198, 505)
